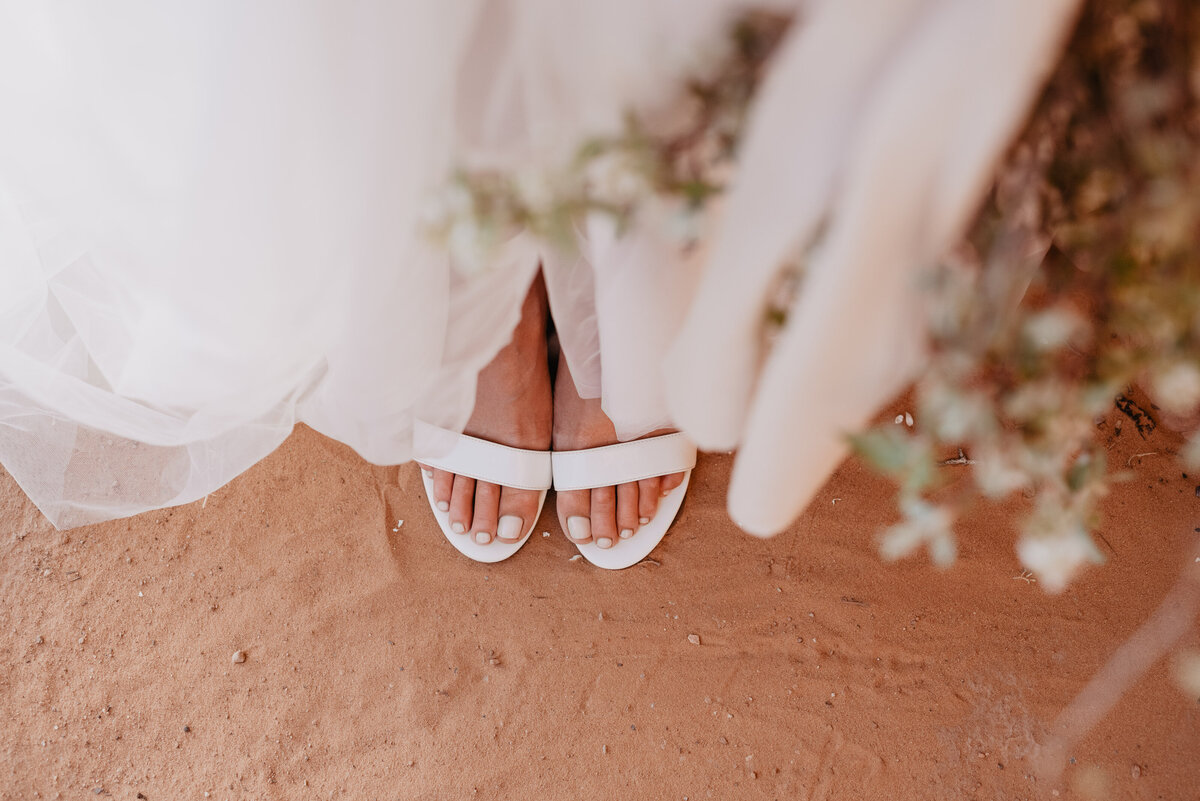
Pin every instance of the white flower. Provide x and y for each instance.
(442, 208)
(923, 524)
(996, 475)
(535, 189)
(471, 246)
(1187, 672)
(1055, 559)
(1053, 328)
(613, 179)
(1177, 388)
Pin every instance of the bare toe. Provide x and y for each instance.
(649, 491)
(671, 482)
(462, 504)
(627, 510)
(443, 488)
(574, 514)
(604, 516)
(487, 509)
(518, 510)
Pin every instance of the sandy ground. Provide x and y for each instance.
(380, 664)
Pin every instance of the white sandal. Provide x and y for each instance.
(483, 461)
(621, 463)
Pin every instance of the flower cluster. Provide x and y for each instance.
(1079, 283)
(620, 176)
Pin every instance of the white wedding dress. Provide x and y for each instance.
(210, 226)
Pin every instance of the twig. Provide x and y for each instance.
(1128, 462)
(960, 459)
(1171, 620)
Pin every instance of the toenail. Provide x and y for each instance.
(483, 537)
(626, 533)
(443, 506)
(458, 528)
(604, 542)
(579, 528)
(510, 527)
(644, 520)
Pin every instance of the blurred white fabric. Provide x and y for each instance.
(209, 225)
(872, 144)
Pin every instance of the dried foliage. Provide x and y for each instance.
(1080, 279)
(664, 169)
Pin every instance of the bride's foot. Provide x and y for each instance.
(512, 407)
(606, 514)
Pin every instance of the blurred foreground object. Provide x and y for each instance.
(1094, 226)
(869, 149)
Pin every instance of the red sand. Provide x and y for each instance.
(383, 665)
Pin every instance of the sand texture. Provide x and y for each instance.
(380, 664)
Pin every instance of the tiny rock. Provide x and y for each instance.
(238, 657)
(694, 639)
(1135, 771)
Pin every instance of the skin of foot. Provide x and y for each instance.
(512, 407)
(603, 515)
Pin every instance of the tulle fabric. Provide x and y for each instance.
(210, 227)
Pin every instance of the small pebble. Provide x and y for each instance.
(545, 533)
(39, 640)
(1135, 771)
(694, 639)
(239, 657)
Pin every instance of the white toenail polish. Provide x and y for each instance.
(604, 542)
(579, 528)
(626, 533)
(643, 520)
(443, 506)
(510, 527)
(482, 537)
(458, 528)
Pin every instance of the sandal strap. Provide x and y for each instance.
(623, 462)
(481, 460)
